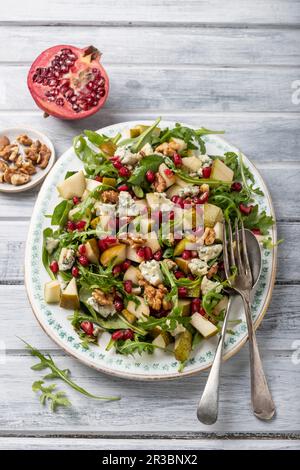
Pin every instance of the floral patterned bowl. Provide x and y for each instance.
(160, 365)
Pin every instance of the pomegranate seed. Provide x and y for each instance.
(75, 271)
(157, 216)
(179, 274)
(186, 254)
(236, 186)
(178, 200)
(177, 159)
(111, 240)
(98, 178)
(171, 215)
(54, 266)
(182, 291)
(169, 173)
(116, 270)
(245, 209)
(141, 252)
(197, 200)
(80, 225)
(158, 255)
(126, 264)
(195, 305)
(202, 311)
(82, 249)
(102, 245)
(206, 171)
(83, 260)
(71, 226)
(124, 172)
(194, 254)
(221, 266)
(148, 253)
(117, 335)
(203, 198)
(150, 176)
(123, 187)
(117, 164)
(128, 334)
(256, 231)
(60, 101)
(128, 286)
(87, 327)
(76, 200)
(118, 304)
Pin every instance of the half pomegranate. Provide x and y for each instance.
(68, 82)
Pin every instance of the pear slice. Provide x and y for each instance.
(109, 181)
(168, 179)
(92, 251)
(152, 242)
(75, 185)
(221, 172)
(132, 274)
(212, 215)
(69, 297)
(162, 340)
(128, 316)
(140, 310)
(183, 346)
(222, 305)
(52, 292)
(115, 254)
(192, 163)
(91, 185)
(183, 264)
(204, 326)
(173, 190)
(132, 255)
(218, 228)
(185, 305)
(180, 247)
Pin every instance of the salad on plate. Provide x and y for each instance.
(135, 243)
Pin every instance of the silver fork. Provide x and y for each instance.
(237, 257)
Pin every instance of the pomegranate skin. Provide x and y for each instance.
(82, 63)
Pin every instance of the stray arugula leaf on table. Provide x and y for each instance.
(47, 394)
(46, 361)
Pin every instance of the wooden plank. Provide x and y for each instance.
(153, 12)
(278, 331)
(149, 407)
(10, 204)
(36, 443)
(13, 235)
(263, 137)
(160, 45)
(194, 88)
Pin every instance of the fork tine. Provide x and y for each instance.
(225, 252)
(231, 250)
(245, 251)
(238, 249)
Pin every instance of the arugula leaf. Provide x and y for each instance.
(48, 232)
(131, 347)
(144, 137)
(150, 162)
(46, 361)
(94, 163)
(56, 399)
(269, 245)
(95, 138)
(60, 213)
(259, 220)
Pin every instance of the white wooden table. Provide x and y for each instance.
(228, 65)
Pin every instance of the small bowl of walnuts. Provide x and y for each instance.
(26, 156)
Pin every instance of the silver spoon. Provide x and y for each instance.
(207, 411)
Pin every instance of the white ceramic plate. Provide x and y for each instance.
(12, 133)
(159, 365)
